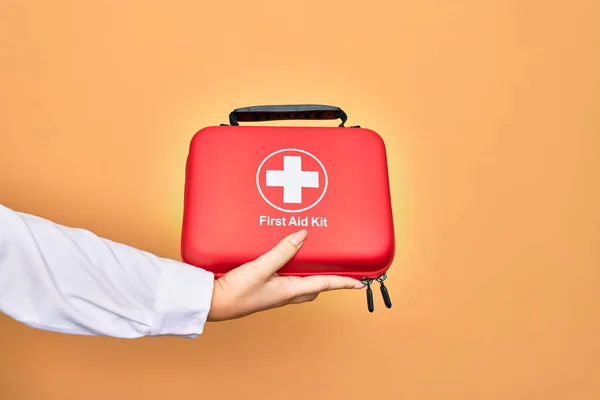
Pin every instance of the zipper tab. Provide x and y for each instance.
(370, 304)
(384, 291)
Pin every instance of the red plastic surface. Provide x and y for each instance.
(232, 214)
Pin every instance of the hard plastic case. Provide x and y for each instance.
(249, 186)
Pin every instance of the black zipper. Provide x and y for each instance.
(384, 292)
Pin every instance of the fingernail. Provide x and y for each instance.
(299, 237)
(359, 285)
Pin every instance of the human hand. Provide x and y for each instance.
(255, 286)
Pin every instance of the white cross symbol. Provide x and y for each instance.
(292, 179)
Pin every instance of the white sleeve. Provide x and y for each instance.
(69, 280)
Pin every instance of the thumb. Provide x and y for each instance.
(273, 260)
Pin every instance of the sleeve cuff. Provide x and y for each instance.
(183, 301)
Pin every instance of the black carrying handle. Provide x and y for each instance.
(286, 112)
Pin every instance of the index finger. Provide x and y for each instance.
(323, 283)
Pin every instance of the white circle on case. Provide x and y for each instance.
(279, 178)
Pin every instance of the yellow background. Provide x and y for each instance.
(490, 113)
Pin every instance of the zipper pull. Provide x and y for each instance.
(384, 291)
(370, 304)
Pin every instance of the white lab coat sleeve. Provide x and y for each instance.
(69, 280)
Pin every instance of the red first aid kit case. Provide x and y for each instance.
(248, 186)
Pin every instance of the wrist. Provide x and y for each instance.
(215, 310)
